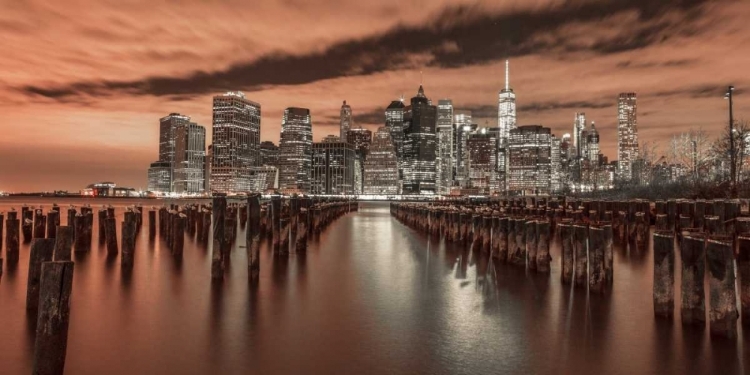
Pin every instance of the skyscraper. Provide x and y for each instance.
(579, 125)
(394, 121)
(506, 107)
(295, 151)
(381, 165)
(333, 167)
(463, 127)
(269, 154)
(160, 177)
(420, 144)
(167, 135)
(627, 135)
(236, 142)
(360, 139)
(445, 137)
(345, 120)
(481, 148)
(529, 156)
(189, 159)
(592, 142)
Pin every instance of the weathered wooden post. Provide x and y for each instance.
(568, 248)
(714, 225)
(664, 273)
(542, 246)
(486, 231)
(596, 258)
(693, 257)
(152, 224)
(51, 340)
(723, 302)
(671, 214)
(12, 244)
(641, 231)
(217, 257)
(252, 236)
(743, 267)
(41, 251)
(101, 225)
(512, 246)
(128, 240)
(502, 238)
(40, 224)
(79, 239)
(698, 215)
(580, 244)
(531, 243)
(179, 234)
(53, 221)
(276, 220)
(63, 243)
(27, 223)
(520, 252)
(206, 224)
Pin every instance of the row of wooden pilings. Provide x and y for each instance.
(710, 234)
(50, 277)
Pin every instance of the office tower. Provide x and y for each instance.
(506, 107)
(269, 154)
(592, 143)
(345, 120)
(295, 151)
(167, 135)
(394, 121)
(189, 159)
(627, 135)
(236, 142)
(464, 127)
(207, 165)
(160, 177)
(579, 125)
(556, 166)
(264, 178)
(481, 147)
(333, 167)
(529, 160)
(445, 163)
(420, 145)
(381, 165)
(360, 139)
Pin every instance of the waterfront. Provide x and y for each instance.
(369, 296)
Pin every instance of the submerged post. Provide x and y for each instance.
(581, 238)
(723, 307)
(53, 319)
(663, 273)
(63, 243)
(41, 251)
(693, 257)
(219, 240)
(568, 246)
(253, 238)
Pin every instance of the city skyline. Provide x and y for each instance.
(103, 102)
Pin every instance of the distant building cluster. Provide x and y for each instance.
(423, 148)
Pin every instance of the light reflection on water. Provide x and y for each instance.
(369, 296)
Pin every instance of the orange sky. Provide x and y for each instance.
(84, 83)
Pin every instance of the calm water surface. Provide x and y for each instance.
(370, 296)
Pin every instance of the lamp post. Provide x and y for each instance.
(732, 167)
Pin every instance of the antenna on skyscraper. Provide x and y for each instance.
(421, 78)
(507, 84)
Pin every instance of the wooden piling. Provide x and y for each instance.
(597, 239)
(743, 267)
(580, 243)
(151, 224)
(568, 248)
(41, 251)
(101, 225)
(531, 243)
(723, 302)
(53, 221)
(12, 245)
(542, 246)
(641, 231)
(127, 245)
(663, 273)
(63, 243)
(502, 239)
(252, 236)
(219, 239)
(179, 236)
(110, 235)
(51, 341)
(693, 257)
(699, 214)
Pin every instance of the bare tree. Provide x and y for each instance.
(691, 150)
(721, 150)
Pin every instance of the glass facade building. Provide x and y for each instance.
(295, 151)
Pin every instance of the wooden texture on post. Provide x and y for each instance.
(41, 251)
(693, 257)
(217, 257)
(531, 243)
(580, 243)
(502, 239)
(663, 273)
(566, 258)
(597, 279)
(723, 302)
(127, 245)
(179, 234)
(699, 213)
(276, 221)
(512, 247)
(27, 223)
(151, 224)
(12, 243)
(40, 224)
(63, 243)
(743, 267)
(53, 221)
(51, 341)
(79, 238)
(110, 234)
(542, 246)
(641, 231)
(252, 237)
(101, 225)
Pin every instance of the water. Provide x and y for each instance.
(371, 296)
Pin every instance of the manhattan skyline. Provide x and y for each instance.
(82, 104)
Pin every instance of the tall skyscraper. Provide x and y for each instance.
(236, 142)
(627, 135)
(481, 148)
(592, 142)
(445, 137)
(420, 145)
(295, 151)
(269, 154)
(360, 139)
(506, 107)
(463, 127)
(530, 160)
(381, 165)
(182, 152)
(345, 120)
(189, 159)
(333, 167)
(579, 125)
(394, 121)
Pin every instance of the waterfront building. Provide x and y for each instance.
(269, 153)
(236, 142)
(394, 122)
(295, 151)
(627, 135)
(579, 126)
(420, 145)
(345, 120)
(264, 178)
(381, 165)
(333, 167)
(592, 145)
(530, 164)
(360, 139)
(445, 156)
(190, 158)
(464, 128)
(160, 177)
(481, 148)
(506, 107)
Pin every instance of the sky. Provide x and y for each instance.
(83, 84)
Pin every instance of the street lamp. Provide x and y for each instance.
(732, 167)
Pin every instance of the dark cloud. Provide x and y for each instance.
(696, 92)
(576, 105)
(656, 64)
(371, 117)
(459, 36)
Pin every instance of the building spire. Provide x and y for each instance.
(507, 83)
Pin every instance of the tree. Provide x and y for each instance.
(691, 150)
(721, 150)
